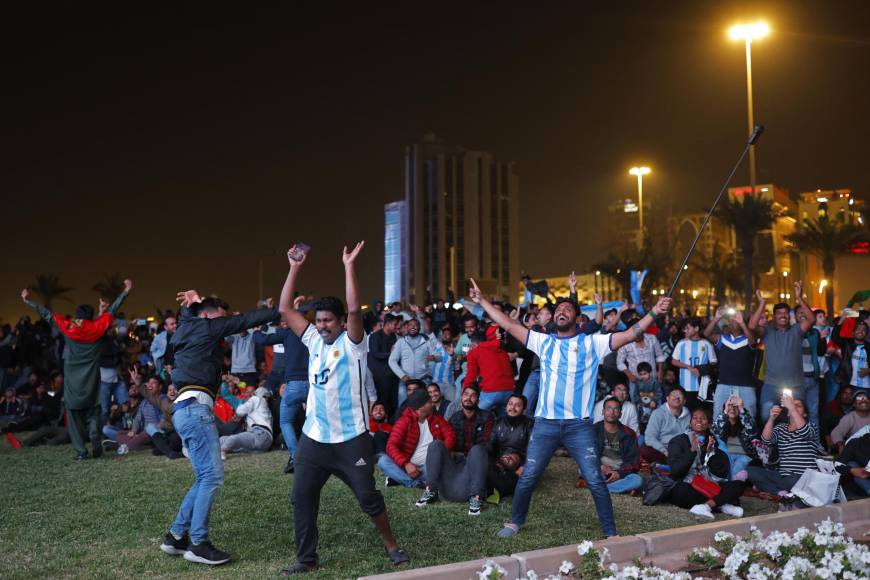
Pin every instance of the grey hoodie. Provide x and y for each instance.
(663, 427)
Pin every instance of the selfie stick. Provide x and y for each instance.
(756, 133)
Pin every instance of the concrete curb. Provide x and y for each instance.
(668, 547)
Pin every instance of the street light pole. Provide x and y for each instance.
(640, 172)
(748, 33)
(749, 107)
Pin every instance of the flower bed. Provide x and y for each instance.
(825, 554)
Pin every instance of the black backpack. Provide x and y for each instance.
(657, 488)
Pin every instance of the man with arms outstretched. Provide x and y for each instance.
(335, 439)
(563, 417)
(199, 358)
(81, 366)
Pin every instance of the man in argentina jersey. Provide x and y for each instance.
(690, 355)
(563, 416)
(442, 361)
(335, 438)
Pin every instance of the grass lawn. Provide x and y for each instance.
(106, 518)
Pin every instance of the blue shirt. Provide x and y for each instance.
(337, 407)
(694, 353)
(569, 370)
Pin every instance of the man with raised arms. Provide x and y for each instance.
(563, 417)
(335, 439)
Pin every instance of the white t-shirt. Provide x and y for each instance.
(859, 361)
(419, 457)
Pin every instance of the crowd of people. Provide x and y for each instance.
(446, 399)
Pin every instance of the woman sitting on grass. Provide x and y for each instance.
(701, 472)
(735, 429)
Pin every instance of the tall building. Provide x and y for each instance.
(395, 251)
(462, 212)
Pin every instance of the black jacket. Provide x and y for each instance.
(378, 358)
(510, 436)
(199, 356)
(681, 458)
(857, 450)
(627, 447)
(480, 427)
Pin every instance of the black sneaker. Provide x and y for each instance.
(205, 553)
(391, 482)
(290, 467)
(109, 445)
(297, 568)
(175, 547)
(82, 456)
(474, 506)
(429, 497)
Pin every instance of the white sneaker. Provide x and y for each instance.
(703, 511)
(184, 452)
(732, 510)
(223, 455)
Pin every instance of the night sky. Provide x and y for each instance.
(181, 145)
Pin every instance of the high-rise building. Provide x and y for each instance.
(395, 251)
(462, 211)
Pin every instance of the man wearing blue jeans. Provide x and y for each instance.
(295, 383)
(783, 354)
(198, 362)
(569, 365)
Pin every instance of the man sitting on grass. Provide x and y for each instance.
(665, 423)
(258, 423)
(616, 446)
(410, 441)
(507, 449)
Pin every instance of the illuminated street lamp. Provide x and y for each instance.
(748, 33)
(640, 172)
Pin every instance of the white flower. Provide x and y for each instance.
(566, 567)
(530, 575)
(821, 540)
(760, 572)
(722, 536)
(584, 547)
(603, 555)
(797, 567)
(490, 568)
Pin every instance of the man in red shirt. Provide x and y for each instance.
(492, 365)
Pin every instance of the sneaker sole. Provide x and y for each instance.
(473, 514)
(191, 557)
(171, 550)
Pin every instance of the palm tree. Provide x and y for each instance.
(749, 216)
(48, 288)
(827, 240)
(721, 271)
(110, 287)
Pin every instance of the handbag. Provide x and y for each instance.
(822, 487)
(705, 487)
(657, 488)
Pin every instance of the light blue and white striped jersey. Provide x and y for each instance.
(569, 370)
(337, 406)
(694, 353)
(442, 366)
(859, 361)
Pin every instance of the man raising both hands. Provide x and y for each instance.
(563, 417)
(335, 438)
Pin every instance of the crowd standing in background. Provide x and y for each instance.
(446, 396)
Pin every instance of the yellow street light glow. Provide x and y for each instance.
(640, 171)
(785, 273)
(655, 292)
(822, 285)
(749, 32)
(597, 272)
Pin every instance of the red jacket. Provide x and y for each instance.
(376, 427)
(491, 363)
(406, 434)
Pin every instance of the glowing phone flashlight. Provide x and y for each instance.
(786, 393)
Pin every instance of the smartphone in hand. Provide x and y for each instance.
(300, 250)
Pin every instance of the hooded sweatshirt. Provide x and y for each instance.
(663, 427)
(256, 410)
(489, 362)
